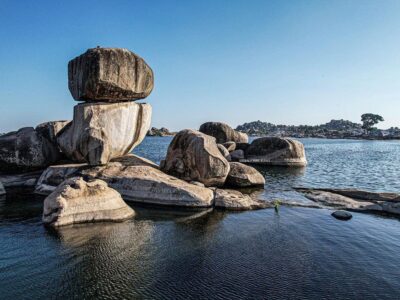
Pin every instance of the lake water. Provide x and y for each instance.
(298, 253)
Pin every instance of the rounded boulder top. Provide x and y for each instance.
(109, 75)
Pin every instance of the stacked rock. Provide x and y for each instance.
(108, 124)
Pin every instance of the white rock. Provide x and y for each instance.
(77, 201)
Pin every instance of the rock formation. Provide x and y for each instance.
(109, 75)
(223, 132)
(195, 156)
(235, 200)
(102, 131)
(159, 132)
(230, 146)
(77, 201)
(2, 190)
(275, 151)
(241, 176)
(224, 152)
(136, 179)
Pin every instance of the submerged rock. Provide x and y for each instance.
(342, 215)
(77, 201)
(275, 151)
(223, 132)
(26, 150)
(241, 176)
(136, 179)
(194, 156)
(109, 75)
(235, 200)
(102, 131)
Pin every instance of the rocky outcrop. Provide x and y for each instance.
(275, 151)
(50, 130)
(373, 202)
(78, 201)
(20, 179)
(109, 75)
(136, 179)
(235, 200)
(230, 146)
(241, 176)
(195, 156)
(223, 132)
(102, 131)
(159, 132)
(26, 149)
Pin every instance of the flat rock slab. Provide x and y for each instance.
(235, 200)
(109, 75)
(136, 179)
(100, 132)
(78, 201)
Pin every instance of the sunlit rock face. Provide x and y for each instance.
(102, 131)
(276, 151)
(241, 176)
(223, 133)
(79, 201)
(194, 156)
(109, 74)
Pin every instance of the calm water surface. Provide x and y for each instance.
(299, 253)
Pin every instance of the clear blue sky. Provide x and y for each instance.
(287, 62)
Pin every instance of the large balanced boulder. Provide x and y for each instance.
(223, 132)
(275, 151)
(26, 149)
(102, 131)
(109, 74)
(78, 201)
(136, 179)
(241, 176)
(194, 156)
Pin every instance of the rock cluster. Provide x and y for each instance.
(266, 150)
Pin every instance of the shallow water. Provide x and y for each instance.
(298, 253)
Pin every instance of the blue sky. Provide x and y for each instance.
(286, 62)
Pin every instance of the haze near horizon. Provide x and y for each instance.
(284, 62)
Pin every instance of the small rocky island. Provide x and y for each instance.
(85, 167)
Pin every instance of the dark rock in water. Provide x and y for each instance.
(224, 152)
(20, 179)
(242, 176)
(342, 215)
(223, 132)
(109, 75)
(79, 201)
(26, 149)
(230, 146)
(194, 156)
(136, 179)
(242, 146)
(237, 155)
(2, 190)
(159, 132)
(275, 151)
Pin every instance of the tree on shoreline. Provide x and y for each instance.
(370, 120)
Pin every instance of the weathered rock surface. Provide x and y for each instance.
(20, 179)
(136, 179)
(77, 201)
(365, 195)
(230, 146)
(109, 75)
(25, 150)
(237, 155)
(242, 176)
(223, 132)
(338, 201)
(275, 151)
(235, 200)
(195, 156)
(102, 131)
(224, 152)
(242, 146)
(50, 130)
(342, 215)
